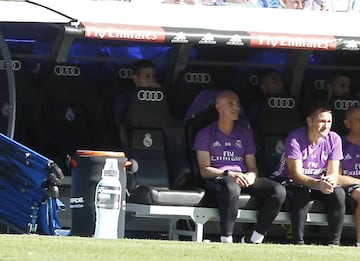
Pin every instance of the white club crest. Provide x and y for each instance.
(147, 141)
(69, 114)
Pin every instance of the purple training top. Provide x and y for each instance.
(226, 151)
(351, 162)
(314, 156)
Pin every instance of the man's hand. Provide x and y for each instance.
(326, 185)
(243, 179)
(331, 179)
(250, 177)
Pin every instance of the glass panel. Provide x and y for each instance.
(29, 39)
(102, 58)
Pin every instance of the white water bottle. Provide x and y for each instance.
(108, 201)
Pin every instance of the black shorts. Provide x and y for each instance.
(350, 189)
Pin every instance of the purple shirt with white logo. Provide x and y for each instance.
(351, 162)
(314, 156)
(226, 151)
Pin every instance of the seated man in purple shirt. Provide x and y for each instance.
(351, 163)
(311, 163)
(225, 152)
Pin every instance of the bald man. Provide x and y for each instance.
(225, 152)
(350, 165)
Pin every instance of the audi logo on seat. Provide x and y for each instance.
(281, 103)
(343, 105)
(125, 73)
(254, 79)
(197, 77)
(15, 65)
(5, 110)
(155, 96)
(320, 84)
(67, 70)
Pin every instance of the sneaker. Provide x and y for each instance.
(226, 239)
(246, 240)
(334, 244)
(300, 242)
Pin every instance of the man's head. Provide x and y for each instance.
(319, 119)
(144, 74)
(271, 82)
(227, 105)
(352, 120)
(338, 85)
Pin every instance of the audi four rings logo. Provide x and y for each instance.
(67, 70)
(254, 79)
(343, 105)
(15, 64)
(197, 77)
(320, 84)
(150, 95)
(125, 73)
(283, 103)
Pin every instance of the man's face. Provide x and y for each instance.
(341, 86)
(229, 106)
(320, 123)
(352, 122)
(146, 78)
(273, 84)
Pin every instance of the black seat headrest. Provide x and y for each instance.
(123, 80)
(340, 105)
(280, 115)
(149, 108)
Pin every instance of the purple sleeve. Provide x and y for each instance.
(292, 147)
(336, 153)
(202, 140)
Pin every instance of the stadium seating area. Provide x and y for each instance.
(155, 200)
(328, 5)
(159, 135)
(70, 66)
